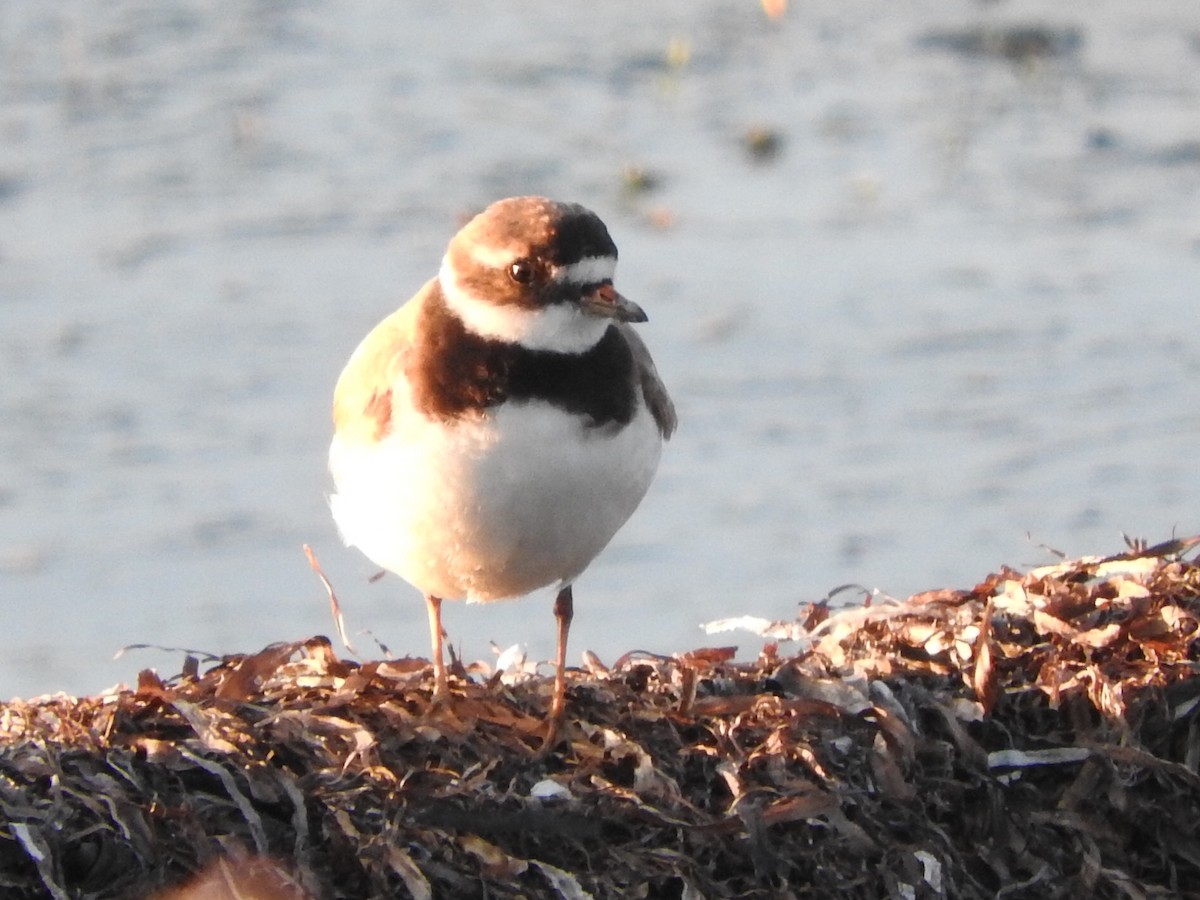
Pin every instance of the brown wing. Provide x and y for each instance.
(653, 390)
(362, 400)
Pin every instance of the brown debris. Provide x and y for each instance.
(1035, 736)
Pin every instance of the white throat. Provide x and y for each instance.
(561, 328)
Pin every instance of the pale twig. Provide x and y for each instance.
(335, 608)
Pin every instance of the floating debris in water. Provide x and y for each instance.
(762, 144)
(1016, 43)
(637, 180)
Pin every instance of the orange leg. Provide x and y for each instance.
(564, 611)
(441, 688)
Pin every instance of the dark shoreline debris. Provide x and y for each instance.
(1036, 735)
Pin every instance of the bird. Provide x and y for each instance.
(494, 433)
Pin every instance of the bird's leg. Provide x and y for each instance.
(441, 688)
(564, 611)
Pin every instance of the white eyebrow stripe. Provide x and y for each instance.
(589, 270)
(492, 257)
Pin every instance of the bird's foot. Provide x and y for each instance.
(550, 740)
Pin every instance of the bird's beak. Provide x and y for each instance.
(604, 302)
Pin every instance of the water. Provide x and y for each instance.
(952, 321)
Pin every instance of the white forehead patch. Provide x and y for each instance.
(561, 327)
(589, 270)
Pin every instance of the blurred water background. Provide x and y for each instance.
(923, 279)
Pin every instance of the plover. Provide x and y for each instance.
(494, 433)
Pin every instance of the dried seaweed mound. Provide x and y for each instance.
(1035, 736)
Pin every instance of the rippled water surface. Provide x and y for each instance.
(952, 319)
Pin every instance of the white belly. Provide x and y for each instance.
(521, 498)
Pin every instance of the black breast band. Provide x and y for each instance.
(454, 372)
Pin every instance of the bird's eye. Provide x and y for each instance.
(521, 271)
